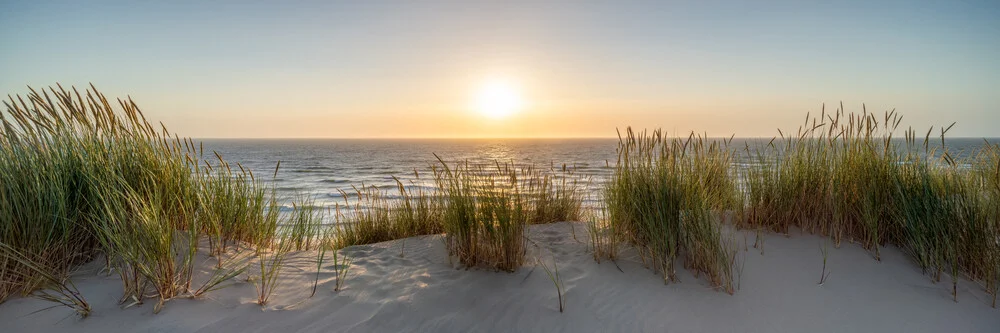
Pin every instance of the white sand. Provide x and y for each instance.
(423, 292)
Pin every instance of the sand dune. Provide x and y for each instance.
(422, 292)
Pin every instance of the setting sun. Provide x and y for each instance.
(498, 99)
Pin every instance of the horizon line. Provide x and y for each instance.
(405, 138)
(510, 138)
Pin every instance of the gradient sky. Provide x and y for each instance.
(409, 68)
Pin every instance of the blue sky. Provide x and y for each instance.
(407, 69)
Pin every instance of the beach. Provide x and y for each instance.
(487, 166)
(421, 291)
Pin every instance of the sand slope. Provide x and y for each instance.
(422, 292)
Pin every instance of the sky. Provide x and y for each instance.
(413, 69)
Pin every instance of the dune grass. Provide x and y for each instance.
(555, 195)
(844, 175)
(487, 208)
(483, 209)
(75, 172)
(374, 217)
(237, 208)
(303, 225)
(665, 196)
(82, 179)
(988, 267)
(485, 215)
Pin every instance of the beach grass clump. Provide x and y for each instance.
(485, 214)
(371, 215)
(785, 181)
(237, 209)
(304, 225)
(988, 266)
(555, 195)
(831, 177)
(665, 197)
(836, 176)
(845, 176)
(968, 243)
(865, 165)
(375, 216)
(80, 179)
(366, 220)
(65, 158)
(418, 211)
(145, 249)
(39, 199)
(945, 213)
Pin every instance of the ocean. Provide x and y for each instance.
(324, 169)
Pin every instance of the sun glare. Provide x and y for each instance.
(498, 99)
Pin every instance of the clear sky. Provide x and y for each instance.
(579, 69)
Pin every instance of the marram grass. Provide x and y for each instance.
(664, 198)
(496, 192)
(485, 215)
(82, 178)
(846, 176)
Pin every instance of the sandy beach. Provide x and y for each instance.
(422, 292)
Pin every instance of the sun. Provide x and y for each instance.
(498, 99)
